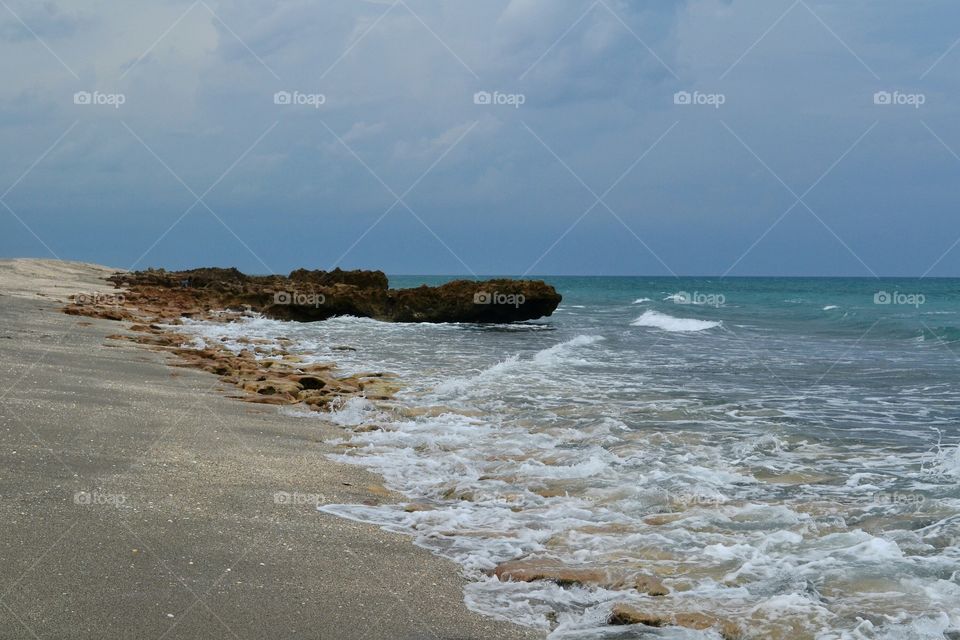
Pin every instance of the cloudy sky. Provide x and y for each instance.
(754, 137)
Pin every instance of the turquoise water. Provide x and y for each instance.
(820, 340)
(794, 303)
(780, 452)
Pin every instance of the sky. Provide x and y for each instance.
(521, 137)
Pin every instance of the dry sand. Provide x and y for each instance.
(138, 502)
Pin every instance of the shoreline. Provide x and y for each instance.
(140, 500)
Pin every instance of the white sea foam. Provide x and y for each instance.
(945, 461)
(562, 354)
(353, 412)
(830, 307)
(556, 353)
(658, 320)
(642, 300)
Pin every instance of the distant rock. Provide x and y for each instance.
(317, 295)
(361, 279)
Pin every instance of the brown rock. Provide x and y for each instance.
(361, 279)
(624, 614)
(650, 585)
(309, 382)
(657, 520)
(379, 490)
(153, 300)
(531, 570)
(564, 576)
(274, 387)
(274, 400)
(367, 428)
(317, 295)
(378, 389)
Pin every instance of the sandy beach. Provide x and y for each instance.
(139, 501)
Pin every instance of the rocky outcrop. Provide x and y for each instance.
(317, 295)
(154, 299)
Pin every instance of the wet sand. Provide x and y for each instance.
(138, 501)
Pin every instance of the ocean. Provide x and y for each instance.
(781, 452)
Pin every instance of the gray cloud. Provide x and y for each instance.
(399, 79)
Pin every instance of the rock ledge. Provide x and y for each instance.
(307, 296)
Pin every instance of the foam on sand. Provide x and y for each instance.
(658, 320)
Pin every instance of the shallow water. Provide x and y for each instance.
(781, 452)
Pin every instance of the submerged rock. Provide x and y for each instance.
(317, 295)
(531, 570)
(624, 614)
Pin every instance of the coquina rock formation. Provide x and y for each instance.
(156, 301)
(317, 295)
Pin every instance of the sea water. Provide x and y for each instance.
(780, 452)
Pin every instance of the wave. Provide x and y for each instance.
(829, 307)
(940, 334)
(642, 300)
(658, 320)
(943, 459)
(550, 354)
(558, 355)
